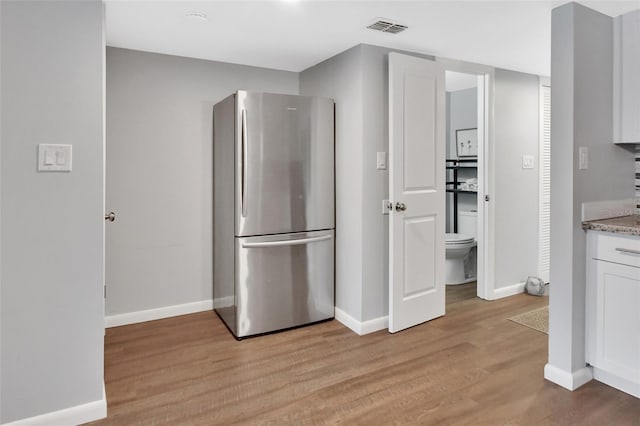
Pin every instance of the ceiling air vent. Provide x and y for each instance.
(387, 27)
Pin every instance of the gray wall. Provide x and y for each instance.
(51, 223)
(159, 172)
(515, 197)
(357, 80)
(375, 183)
(340, 78)
(462, 113)
(636, 180)
(581, 74)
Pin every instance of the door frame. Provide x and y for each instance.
(104, 172)
(486, 174)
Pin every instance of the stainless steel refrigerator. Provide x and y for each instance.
(274, 211)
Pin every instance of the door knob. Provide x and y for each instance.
(110, 217)
(400, 207)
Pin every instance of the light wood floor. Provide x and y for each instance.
(472, 366)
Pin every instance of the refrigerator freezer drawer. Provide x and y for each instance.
(283, 281)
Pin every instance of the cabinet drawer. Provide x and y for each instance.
(619, 249)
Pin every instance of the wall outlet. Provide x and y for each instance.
(527, 162)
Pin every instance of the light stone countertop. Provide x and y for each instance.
(629, 225)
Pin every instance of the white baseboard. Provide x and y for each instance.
(77, 415)
(499, 293)
(347, 320)
(566, 379)
(621, 383)
(361, 327)
(160, 313)
(373, 325)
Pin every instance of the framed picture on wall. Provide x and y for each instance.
(467, 142)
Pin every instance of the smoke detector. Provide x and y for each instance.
(387, 26)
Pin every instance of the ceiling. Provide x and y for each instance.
(294, 35)
(455, 81)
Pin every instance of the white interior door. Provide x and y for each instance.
(416, 190)
(485, 280)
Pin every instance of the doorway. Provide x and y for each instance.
(467, 181)
(418, 155)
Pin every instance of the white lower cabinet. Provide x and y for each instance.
(613, 310)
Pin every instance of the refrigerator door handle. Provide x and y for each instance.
(286, 242)
(244, 163)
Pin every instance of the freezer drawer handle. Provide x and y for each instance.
(628, 251)
(287, 242)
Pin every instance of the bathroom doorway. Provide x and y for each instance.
(468, 198)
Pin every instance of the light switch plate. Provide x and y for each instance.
(381, 161)
(54, 158)
(583, 158)
(527, 162)
(385, 207)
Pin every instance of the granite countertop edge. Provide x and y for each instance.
(629, 225)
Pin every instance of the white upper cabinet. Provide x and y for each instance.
(626, 78)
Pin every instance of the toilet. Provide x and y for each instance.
(460, 262)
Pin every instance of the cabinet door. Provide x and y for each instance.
(626, 80)
(617, 320)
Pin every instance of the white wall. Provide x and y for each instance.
(581, 98)
(159, 173)
(515, 196)
(51, 224)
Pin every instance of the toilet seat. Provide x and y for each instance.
(458, 239)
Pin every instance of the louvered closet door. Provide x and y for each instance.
(544, 246)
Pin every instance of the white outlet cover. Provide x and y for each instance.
(527, 162)
(54, 158)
